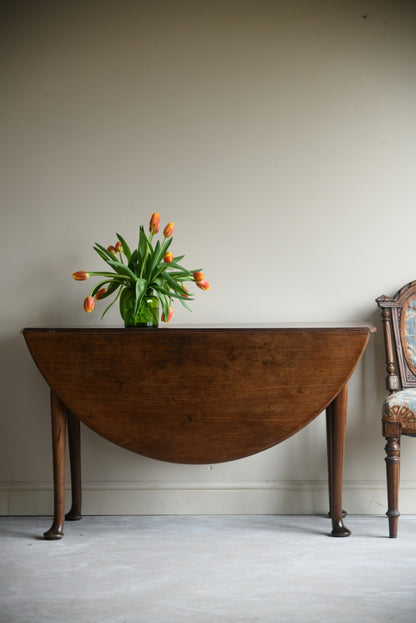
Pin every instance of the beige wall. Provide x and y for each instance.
(280, 137)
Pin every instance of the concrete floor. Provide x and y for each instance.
(209, 569)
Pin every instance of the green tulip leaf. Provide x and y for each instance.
(126, 248)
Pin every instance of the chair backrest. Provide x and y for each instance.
(399, 322)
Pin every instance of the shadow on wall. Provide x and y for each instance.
(25, 421)
(364, 433)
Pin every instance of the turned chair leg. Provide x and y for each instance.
(393, 479)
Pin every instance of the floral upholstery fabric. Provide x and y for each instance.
(410, 332)
(401, 407)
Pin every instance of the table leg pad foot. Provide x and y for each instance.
(340, 530)
(53, 534)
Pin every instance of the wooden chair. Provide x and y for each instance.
(399, 408)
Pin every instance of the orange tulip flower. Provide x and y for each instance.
(100, 293)
(169, 229)
(168, 257)
(154, 223)
(112, 249)
(119, 247)
(203, 284)
(198, 276)
(80, 275)
(89, 303)
(170, 314)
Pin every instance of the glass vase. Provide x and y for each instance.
(147, 315)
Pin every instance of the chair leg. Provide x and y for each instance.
(393, 479)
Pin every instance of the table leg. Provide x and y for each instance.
(329, 451)
(336, 421)
(59, 418)
(74, 443)
(329, 454)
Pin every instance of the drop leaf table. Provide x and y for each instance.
(196, 394)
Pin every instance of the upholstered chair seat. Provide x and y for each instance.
(401, 407)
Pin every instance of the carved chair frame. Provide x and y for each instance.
(401, 374)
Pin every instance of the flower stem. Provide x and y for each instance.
(146, 254)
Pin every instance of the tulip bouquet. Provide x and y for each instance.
(142, 278)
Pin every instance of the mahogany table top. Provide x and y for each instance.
(198, 393)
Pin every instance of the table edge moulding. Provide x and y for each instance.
(196, 394)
